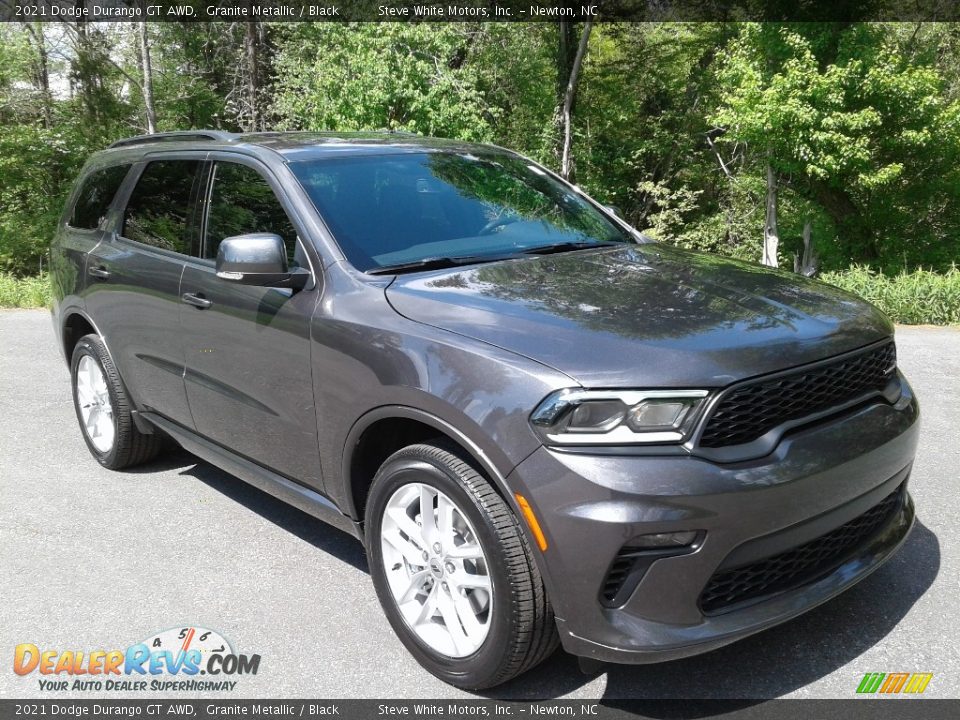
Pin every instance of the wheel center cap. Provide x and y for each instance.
(436, 567)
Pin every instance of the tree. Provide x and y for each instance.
(41, 71)
(252, 38)
(147, 74)
(570, 95)
(395, 76)
(836, 143)
(838, 115)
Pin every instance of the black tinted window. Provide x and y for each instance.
(158, 213)
(95, 196)
(242, 202)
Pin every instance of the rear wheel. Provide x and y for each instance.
(103, 409)
(453, 570)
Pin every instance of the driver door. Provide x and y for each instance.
(246, 348)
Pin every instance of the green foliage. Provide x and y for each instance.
(640, 117)
(674, 123)
(196, 74)
(853, 123)
(913, 298)
(29, 292)
(14, 59)
(37, 167)
(333, 76)
(515, 69)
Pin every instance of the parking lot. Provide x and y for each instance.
(92, 559)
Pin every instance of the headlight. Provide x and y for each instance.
(617, 417)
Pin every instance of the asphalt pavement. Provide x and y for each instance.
(93, 559)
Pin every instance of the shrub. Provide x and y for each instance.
(912, 298)
(28, 292)
(37, 168)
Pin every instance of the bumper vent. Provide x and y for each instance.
(751, 410)
(617, 577)
(798, 566)
(630, 565)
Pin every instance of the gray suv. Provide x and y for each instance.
(544, 428)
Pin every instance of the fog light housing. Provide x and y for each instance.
(665, 540)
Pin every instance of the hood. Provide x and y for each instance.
(643, 315)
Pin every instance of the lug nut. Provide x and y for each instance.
(426, 556)
(444, 586)
(450, 567)
(436, 547)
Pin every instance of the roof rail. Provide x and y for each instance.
(182, 135)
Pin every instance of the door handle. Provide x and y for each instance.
(196, 300)
(100, 273)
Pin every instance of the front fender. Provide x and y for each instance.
(487, 454)
(368, 361)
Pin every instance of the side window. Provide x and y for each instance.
(95, 197)
(242, 202)
(158, 212)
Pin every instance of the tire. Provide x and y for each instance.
(105, 400)
(520, 630)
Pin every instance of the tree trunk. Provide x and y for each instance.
(85, 70)
(771, 236)
(147, 79)
(252, 73)
(42, 75)
(569, 97)
(565, 51)
(807, 263)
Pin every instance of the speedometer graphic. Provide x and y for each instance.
(184, 639)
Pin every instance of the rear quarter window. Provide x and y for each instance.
(96, 193)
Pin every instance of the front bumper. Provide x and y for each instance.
(816, 480)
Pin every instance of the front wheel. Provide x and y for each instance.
(453, 570)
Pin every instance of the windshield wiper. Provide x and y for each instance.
(435, 263)
(566, 247)
(440, 262)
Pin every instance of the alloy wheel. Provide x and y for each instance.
(437, 570)
(93, 399)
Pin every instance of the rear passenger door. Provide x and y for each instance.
(247, 350)
(135, 272)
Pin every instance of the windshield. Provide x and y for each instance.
(404, 209)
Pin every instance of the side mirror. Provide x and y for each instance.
(258, 259)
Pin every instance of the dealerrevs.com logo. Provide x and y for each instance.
(187, 659)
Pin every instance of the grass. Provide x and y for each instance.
(28, 292)
(920, 297)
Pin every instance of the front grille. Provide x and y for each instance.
(753, 409)
(798, 566)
